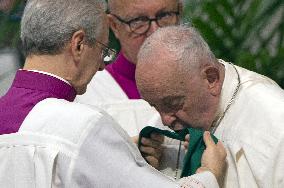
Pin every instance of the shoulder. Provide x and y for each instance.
(102, 89)
(67, 120)
(254, 86)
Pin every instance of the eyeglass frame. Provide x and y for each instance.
(177, 13)
(107, 52)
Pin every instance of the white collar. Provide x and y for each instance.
(228, 88)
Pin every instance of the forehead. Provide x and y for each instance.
(161, 82)
(163, 94)
(146, 7)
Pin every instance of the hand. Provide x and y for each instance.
(186, 142)
(213, 158)
(151, 149)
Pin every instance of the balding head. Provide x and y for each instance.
(176, 65)
(174, 50)
(182, 43)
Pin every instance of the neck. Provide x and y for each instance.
(221, 112)
(129, 57)
(53, 64)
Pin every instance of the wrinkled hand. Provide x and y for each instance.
(151, 149)
(213, 158)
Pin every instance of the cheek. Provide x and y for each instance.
(95, 60)
(186, 114)
(132, 43)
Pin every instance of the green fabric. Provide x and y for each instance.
(192, 159)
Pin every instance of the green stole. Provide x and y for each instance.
(192, 159)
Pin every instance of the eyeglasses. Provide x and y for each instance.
(141, 25)
(108, 54)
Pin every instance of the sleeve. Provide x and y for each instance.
(107, 158)
(274, 176)
(200, 180)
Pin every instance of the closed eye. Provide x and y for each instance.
(173, 104)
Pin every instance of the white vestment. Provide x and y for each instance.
(132, 115)
(65, 144)
(252, 130)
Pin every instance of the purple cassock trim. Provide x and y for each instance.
(27, 90)
(123, 71)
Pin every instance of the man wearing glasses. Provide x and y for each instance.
(114, 89)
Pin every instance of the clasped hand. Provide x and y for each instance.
(152, 150)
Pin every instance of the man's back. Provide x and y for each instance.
(29, 88)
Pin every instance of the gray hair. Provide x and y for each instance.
(183, 43)
(47, 25)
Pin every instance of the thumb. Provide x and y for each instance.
(207, 139)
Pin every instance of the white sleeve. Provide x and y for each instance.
(201, 180)
(274, 176)
(108, 158)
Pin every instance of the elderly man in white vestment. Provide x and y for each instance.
(55, 142)
(242, 108)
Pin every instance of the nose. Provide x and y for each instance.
(153, 27)
(167, 118)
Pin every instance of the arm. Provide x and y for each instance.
(108, 158)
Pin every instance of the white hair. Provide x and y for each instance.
(47, 25)
(183, 43)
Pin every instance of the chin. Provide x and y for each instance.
(81, 91)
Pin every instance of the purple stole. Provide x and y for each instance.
(27, 90)
(123, 72)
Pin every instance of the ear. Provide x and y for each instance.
(113, 24)
(211, 75)
(77, 45)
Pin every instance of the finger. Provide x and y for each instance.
(152, 161)
(157, 137)
(202, 169)
(157, 153)
(187, 137)
(208, 140)
(135, 139)
(221, 149)
(186, 144)
(150, 143)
